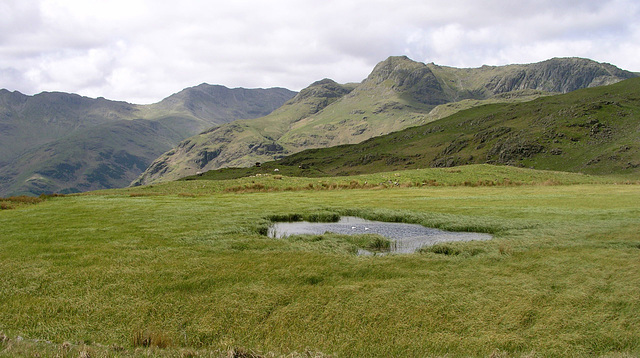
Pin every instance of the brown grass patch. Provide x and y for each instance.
(6, 206)
(23, 199)
(151, 339)
(14, 202)
(505, 249)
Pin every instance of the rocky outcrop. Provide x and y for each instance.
(558, 75)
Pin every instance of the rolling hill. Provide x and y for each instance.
(399, 93)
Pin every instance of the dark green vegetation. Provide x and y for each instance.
(399, 93)
(58, 142)
(592, 131)
(183, 269)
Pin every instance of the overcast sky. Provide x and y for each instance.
(144, 50)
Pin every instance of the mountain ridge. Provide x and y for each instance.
(33, 131)
(592, 131)
(397, 94)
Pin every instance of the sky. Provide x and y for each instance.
(141, 51)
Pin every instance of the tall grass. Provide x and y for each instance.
(561, 276)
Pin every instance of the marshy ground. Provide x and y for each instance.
(186, 270)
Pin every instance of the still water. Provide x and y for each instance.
(407, 237)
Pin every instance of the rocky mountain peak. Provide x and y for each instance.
(402, 74)
(325, 88)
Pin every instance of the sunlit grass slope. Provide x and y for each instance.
(187, 272)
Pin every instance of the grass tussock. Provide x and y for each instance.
(441, 249)
(379, 244)
(23, 199)
(319, 216)
(505, 249)
(151, 338)
(339, 244)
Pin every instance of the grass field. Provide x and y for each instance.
(182, 270)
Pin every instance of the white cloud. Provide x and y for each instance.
(144, 50)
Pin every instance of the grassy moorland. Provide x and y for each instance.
(183, 270)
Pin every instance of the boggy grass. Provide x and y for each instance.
(262, 226)
(194, 269)
(315, 216)
(432, 220)
(340, 244)
(452, 249)
(441, 221)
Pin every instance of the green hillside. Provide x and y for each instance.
(26, 122)
(399, 93)
(591, 131)
(103, 156)
(244, 140)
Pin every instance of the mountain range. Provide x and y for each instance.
(399, 93)
(591, 131)
(60, 142)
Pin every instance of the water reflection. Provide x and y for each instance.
(407, 237)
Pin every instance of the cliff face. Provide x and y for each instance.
(399, 93)
(559, 75)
